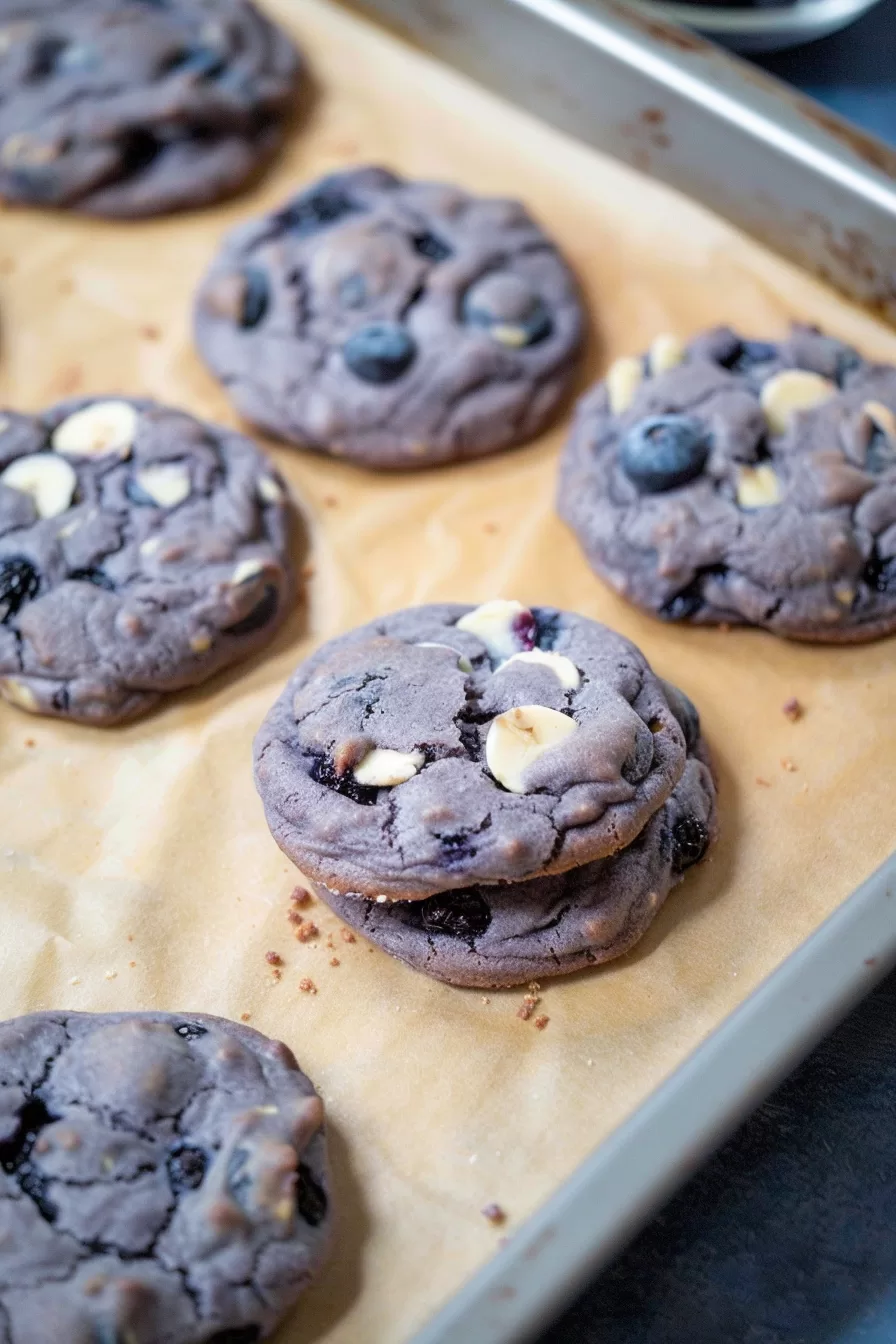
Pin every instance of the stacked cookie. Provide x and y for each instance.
(493, 794)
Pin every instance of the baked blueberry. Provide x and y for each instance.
(379, 353)
(663, 452)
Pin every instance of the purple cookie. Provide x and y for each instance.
(445, 746)
(396, 323)
(164, 1178)
(741, 482)
(141, 551)
(137, 107)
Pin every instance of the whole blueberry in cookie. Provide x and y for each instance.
(140, 551)
(396, 323)
(135, 107)
(737, 481)
(161, 1178)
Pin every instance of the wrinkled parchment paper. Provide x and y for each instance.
(136, 869)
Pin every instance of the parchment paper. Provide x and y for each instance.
(135, 865)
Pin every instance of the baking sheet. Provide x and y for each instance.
(135, 867)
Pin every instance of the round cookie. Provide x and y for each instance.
(163, 1177)
(141, 551)
(445, 745)
(511, 933)
(733, 481)
(396, 323)
(135, 107)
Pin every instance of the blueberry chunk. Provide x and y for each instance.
(200, 60)
(690, 841)
(748, 355)
(256, 296)
(459, 914)
(186, 1167)
(664, 452)
(90, 574)
(317, 209)
(311, 1198)
(19, 582)
(261, 614)
(879, 574)
(430, 246)
(380, 352)
(190, 1031)
(508, 309)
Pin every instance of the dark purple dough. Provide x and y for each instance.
(164, 1180)
(699, 501)
(137, 107)
(512, 933)
(452, 821)
(141, 551)
(396, 323)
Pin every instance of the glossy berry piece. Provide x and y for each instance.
(432, 247)
(690, 841)
(186, 1167)
(190, 1031)
(200, 60)
(323, 772)
(664, 452)
(506, 307)
(19, 582)
(92, 575)
(879, 574)
(317, 209)
(380, 352)
(747, 355)
(261, 614)
(256, 296)
(459, 914)
(311, 1198)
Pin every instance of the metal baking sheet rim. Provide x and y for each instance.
(613, 1193)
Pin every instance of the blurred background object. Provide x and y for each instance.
(761, 25)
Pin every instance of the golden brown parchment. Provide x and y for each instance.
(136, 870)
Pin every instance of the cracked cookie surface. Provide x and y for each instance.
(141, 551)
(446, 745)
(511, 933)
(396, 323)
(137, 107)
(733, 481)
(163, 1180)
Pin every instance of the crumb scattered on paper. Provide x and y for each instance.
(792, 709)
(494, 1214)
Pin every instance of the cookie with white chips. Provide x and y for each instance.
(742, 482)
(141, 551)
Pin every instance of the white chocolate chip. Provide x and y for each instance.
(167, 483)
(509, 334)
(246, 570)
(624, 377)
(17, 693)
(845, 594)
(48, 479)
(499, 624)
(269, 490)
(383, 768)
(201, 642)
(666, 353)
(564, 669)
(463, 661)
(517, 738)
(150, 545)
(101, 429)
(882, 418)
(791, 391)
(4, 423)
(758, 487)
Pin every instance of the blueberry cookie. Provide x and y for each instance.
(399, 324)
(164, 1180)
(514, 932)
(444, 746)
(734, 481)
(136, 107)
(140, 551)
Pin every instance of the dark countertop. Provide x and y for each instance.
(788, 1235)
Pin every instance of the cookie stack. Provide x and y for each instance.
(493, 794)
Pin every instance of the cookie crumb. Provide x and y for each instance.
(763, 783)
(541, 1022)
(30, 742)
(150, 332)
(334, 961)
(276, 975)
(788, 764)
(294, 917)
(245, 1017)
(346, 935)
(486, 1000)
(531, 1000)
(130, 937)
(307, 572)
(75, 980)
(491, 528)
(273, 958)
(301, 896)
(330, 944)
(132, 964)
(494, 1214)
(329, 501)
(307, 986)
(792, 709)
(111, 975)
(306, 931)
